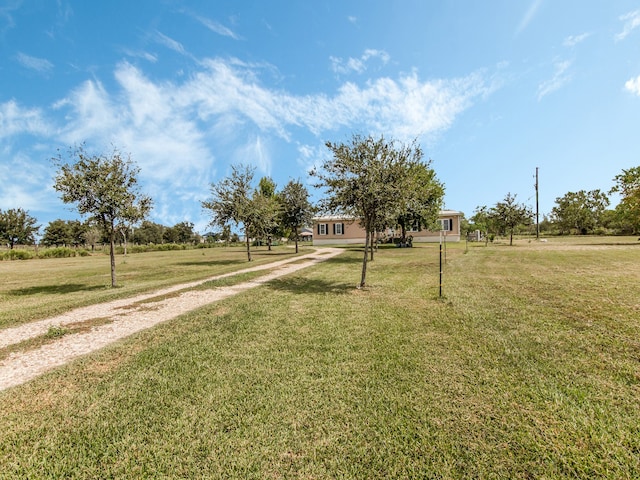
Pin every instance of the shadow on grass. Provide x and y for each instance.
(272, 253)
(212, 263)
(307, 286)
(55, 289)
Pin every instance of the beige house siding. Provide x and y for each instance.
(333, 230)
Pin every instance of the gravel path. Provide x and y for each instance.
(127, 316)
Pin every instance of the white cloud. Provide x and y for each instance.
(631, 22)
(170, 43)
(141, 54)
(358, 65)
(403, 107)
(573, 40)
(41, 65)
(633, 85)
(15, 120)
(218, 28)
(560, 78)
(25, 188)
(529, 15)
(170, 128)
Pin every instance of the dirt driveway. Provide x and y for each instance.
(127, 316)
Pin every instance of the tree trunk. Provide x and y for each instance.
(363, 278)
(511, 238)
(112, 255)
(246, 236)
(296, 243)
(372, 236)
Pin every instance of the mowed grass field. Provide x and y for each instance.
(529, 367)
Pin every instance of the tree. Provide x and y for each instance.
(370, 180)
(148, 232)
(92, 236)
(481, 220)
(296, 211)
(422, 199)
(184, 232)
(17, 227)
(580, 211)
(56, 233)
(508, 214)
(628, 186)
(232, 202)
(268, 203)
(105, 187)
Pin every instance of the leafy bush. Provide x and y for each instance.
(16, 255)
(58, 252)
(170, 246)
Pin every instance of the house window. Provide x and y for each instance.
(447, 224)
(323, 229)
(338, 228)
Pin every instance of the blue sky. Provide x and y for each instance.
(491, 90)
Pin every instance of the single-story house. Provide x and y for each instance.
(329, 230)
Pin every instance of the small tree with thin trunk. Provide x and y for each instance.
(232, 202)
(297, 211)
(508, 214)
(105, 187)
(369, 179)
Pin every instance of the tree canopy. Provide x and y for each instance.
(627, 184)
(103, 187)
(505, 216)
(373, 180)
(296, 210)
(580, 211)
(17, 227)
(231, 201)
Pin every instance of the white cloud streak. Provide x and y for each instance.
(631, 22)
(528, 16)
(573, 40)
(170, 43)
(560, 79)
(41, 65)
(218, 28)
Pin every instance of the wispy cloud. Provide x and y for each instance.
(150, 57)
(172, 127)
(358, 65)
(6, 14)
(631, 22)
(573, 40)
(41, 65)
(16, 120)
(216, 27)
(170, 43)
(633, 85)
(560, 78)
(528, 16)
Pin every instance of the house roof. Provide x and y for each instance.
(329, 218)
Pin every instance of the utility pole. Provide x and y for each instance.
(537, 210)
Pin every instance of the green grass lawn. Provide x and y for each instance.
(529, 367)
